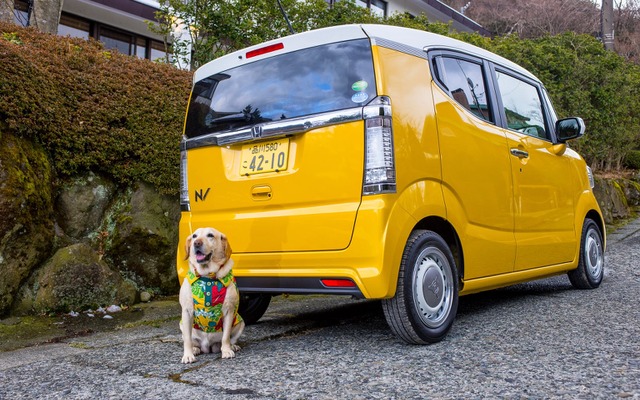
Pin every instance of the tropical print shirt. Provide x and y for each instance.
(208, 296)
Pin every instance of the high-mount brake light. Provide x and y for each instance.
(338, 282)
(379, 164)
(265, 50)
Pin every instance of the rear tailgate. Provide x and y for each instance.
(275, 145)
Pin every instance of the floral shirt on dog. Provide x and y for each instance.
(208, 295)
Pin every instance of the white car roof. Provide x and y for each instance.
(413, 40)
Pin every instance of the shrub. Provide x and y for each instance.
(93, 109)
(633, 160)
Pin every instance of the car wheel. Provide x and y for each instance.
(590, 269)
(426, 300)
(253, 306)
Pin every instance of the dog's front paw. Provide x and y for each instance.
(188, 358)
(228, 352)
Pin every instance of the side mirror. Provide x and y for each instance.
(569, 128)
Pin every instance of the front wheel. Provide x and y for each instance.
(426, 300)
(590, 269)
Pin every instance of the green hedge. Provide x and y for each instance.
(93, 109)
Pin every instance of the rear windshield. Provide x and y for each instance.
(309, 81)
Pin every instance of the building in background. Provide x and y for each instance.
(434, 10)
(122, 25)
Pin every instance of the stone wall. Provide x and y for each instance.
(79, 243)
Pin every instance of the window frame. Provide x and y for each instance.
(485, 66)
(544, 101)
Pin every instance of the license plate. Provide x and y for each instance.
(258, 158)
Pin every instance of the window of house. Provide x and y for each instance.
(21, 13)
(115, 40)
(74, 27)
(141, 47)
(522, 106)
(464, 80)
(157, 51)
(377, 7)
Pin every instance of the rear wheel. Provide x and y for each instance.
(590, 269)
(426, 300)
(253, 306)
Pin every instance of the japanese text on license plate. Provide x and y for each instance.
(258, 158)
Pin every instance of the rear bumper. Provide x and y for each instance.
(371, 259)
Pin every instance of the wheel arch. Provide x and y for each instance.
(597, 218)
(444, 228)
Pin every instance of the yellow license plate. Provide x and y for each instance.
(258, 158)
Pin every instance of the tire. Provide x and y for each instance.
(253, 306)
(426, 300)
(590, 269)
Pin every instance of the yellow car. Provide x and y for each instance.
(385, 163)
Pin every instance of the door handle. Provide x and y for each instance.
(519, 153)
(262, 192)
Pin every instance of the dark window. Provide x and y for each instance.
(522, 106)
(157, 50)
(464, 80)
(74, 27)
(21, 13)
(325, 78)
(115, 40)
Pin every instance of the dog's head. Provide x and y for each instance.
(207, 250)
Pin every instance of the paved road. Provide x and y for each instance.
(536, 340)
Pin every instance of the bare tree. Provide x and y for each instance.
(627, 29)
(532, 18)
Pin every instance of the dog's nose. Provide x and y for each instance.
(197, 243)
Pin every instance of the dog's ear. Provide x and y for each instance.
(188, 247)
(227, 248)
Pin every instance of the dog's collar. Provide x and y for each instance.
(226, 281)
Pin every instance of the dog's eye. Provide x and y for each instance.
(194, 236)
(210, 235)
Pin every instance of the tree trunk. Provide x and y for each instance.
(6, 10)
(46, 15)
(606, 21)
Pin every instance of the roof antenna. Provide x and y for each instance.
(284, 14)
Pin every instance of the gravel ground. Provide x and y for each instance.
(536, 340)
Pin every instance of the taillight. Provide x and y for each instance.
(379, 158)
(184, 188)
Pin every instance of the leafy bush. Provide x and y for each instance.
(93, 109)
(633, 160)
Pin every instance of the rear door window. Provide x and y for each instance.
(310, 81)
(464, 80)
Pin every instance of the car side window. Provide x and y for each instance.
(522, 106)
(465, 83)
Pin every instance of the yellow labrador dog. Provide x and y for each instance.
(209, 297)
